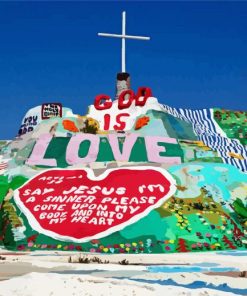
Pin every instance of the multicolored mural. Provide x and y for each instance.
(132, 176)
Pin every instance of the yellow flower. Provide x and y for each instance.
(134, 244)
(105, 250)
(121, 246)
(171, 241)
(59, 246)
(127, 249)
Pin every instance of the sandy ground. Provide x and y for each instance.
(141, 259)
(50, 273)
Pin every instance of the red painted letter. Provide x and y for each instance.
(145, 93)
(107, 103)
(120, 124)
(107, 121)
(130, 96)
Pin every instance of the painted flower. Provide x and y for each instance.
(167, 248)
(92, 250)
(95, 242)
(21, 247)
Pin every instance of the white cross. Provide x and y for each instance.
(123, 37)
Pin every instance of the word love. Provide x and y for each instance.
(153, 146)
(83, 207)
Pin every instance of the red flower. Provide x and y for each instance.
(32, 238)
(21, 247)
(95, 241)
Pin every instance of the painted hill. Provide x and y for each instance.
(201, 154)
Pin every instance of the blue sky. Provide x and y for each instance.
(50, 52)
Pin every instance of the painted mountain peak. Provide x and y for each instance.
(136, 177)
